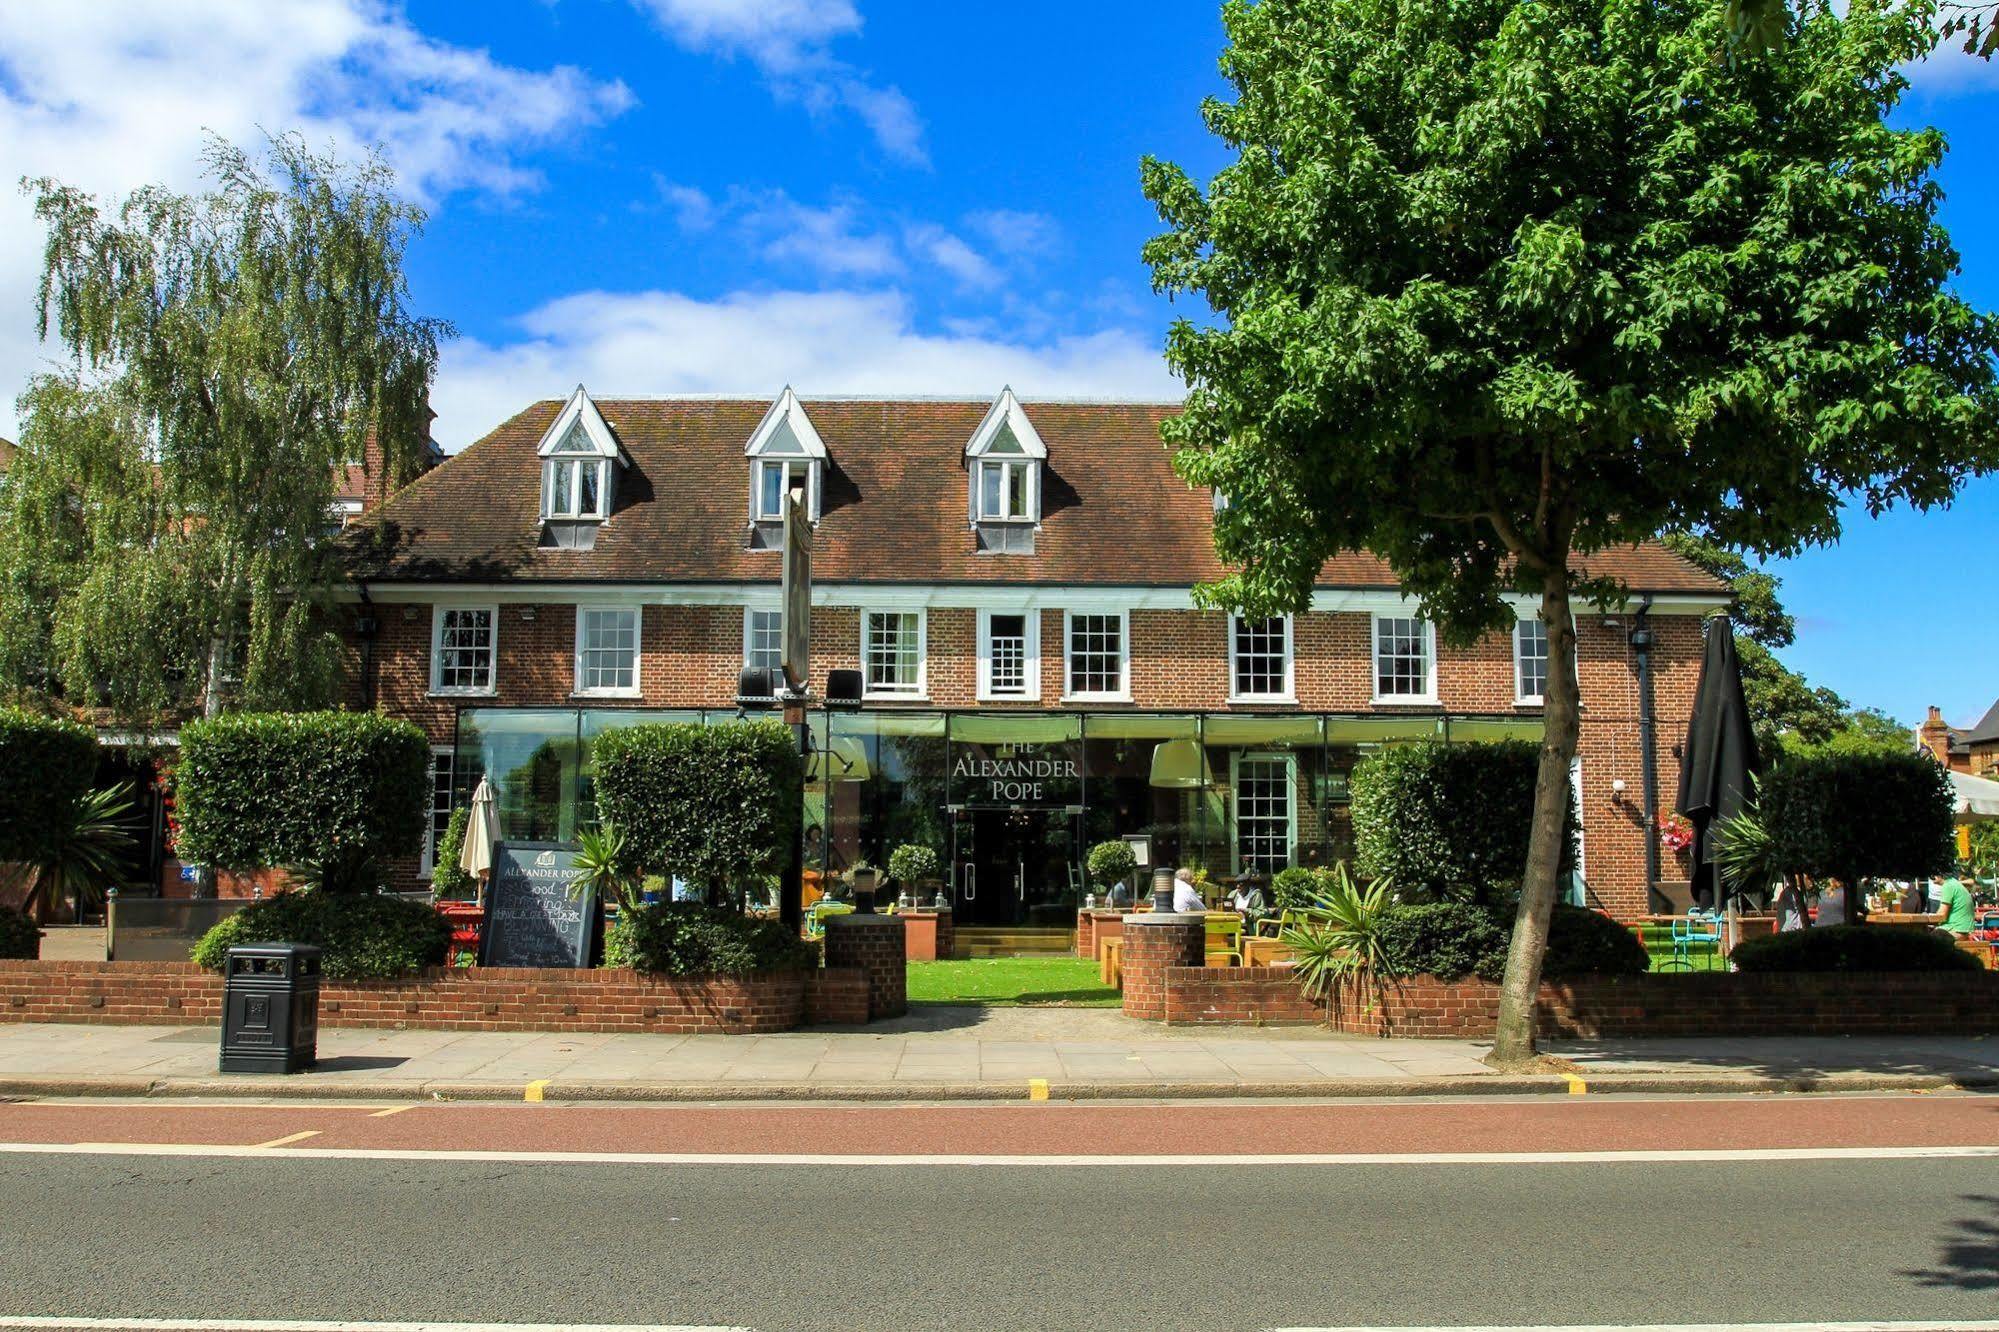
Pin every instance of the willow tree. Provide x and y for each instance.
(1498, 285)
(228, 354)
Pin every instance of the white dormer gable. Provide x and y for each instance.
(579, 468)
(1005, 456)
(784, 447)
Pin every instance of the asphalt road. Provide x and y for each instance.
(1014, 1246)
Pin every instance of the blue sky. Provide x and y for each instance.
(655, 196)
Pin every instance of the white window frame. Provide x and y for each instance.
(1123, 692)
(492, 685)
(1031, 666)
(576, 462)
(638, 653)
(1290, 762)
(1521, 697)
(1006, 464)
(783, 460)
(441, 757)
(1429, 694)
(1289, 692)
(749, 638)
(920, 692)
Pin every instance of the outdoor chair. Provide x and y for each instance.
(1224, 939)
(1701, 930)
(815, 919)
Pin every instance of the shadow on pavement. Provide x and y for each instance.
(357, 1063)
(1969, 1257)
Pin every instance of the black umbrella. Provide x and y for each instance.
(1720, 757)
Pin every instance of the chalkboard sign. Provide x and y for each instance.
(531, 920)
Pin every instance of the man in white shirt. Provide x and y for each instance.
(1185, 897)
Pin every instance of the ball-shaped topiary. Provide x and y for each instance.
(1111, 863)
(911, 864)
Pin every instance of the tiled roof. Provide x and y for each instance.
(7, 452)
(1984, 731)
(894, 505)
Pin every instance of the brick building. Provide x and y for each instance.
(1014, 580)
(1973, 750)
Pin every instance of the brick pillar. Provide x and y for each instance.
(877, 945)
(1154, 941)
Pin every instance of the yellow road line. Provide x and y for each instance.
(1037, 1089)
(1577, 1087)
(535, 1089)
(289, 1139)
(392, 1110)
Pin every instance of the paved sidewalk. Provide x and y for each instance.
(949, 1053)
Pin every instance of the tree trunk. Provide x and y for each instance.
(1513, 1042)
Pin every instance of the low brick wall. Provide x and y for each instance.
(461, 999)
(1158, 946)
(878, 946)
(1702, 1004)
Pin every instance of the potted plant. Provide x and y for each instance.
(1111, 864)
(910, 866)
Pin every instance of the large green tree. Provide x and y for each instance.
(161, 535)
(1499, 285)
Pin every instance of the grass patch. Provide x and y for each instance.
(1012, 982)
(1659, 947)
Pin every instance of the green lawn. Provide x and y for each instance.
(1069, 982)
(1659, 947)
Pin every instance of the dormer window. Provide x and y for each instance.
(1005, 458)
(785, 451)
(579, 473)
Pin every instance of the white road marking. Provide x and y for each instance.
(1912, 1325)
(1677, 1156)
(305, 1325)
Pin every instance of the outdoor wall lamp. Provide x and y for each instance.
(527, 614)
(1617, 792)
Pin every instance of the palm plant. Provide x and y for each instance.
(88, 853)
(1745, 855)
(602, 863)
(1343, 940)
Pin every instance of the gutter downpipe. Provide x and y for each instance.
(1641, 643)
(366, 626)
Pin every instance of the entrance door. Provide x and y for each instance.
(1011, 862)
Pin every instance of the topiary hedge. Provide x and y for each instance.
(1447, 822)
(1860, 816)
(20, 938)
(1111, 863)
(447, 878)
(1853, 948)
(46, 766)
(255, 791)
(716, 806)
(1452, 940)
(692, 939)
(1298, 885)
(361, 936)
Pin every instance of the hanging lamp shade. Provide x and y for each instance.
(845, 759)
(1180, 764)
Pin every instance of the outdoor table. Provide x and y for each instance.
(1264, 952)
(1903, 918)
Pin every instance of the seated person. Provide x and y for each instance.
(1246, 896)
(1832, 907)
(1186, 898)
(1953, 907)
(1121, 894)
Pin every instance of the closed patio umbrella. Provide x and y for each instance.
(481, 827)
(1720, 758)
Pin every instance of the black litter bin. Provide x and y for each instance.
(270, 1008)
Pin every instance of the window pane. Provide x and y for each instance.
(465, 650)
(1530, 645)
(989, 490)
(889, 653)
(1401, 658)
(1263, 812)
(609, 660)
(561, 500)
(1007, 645)
(588, 476)
(764, 640)
(1096, 654)
(1259, 657)
(770, 501)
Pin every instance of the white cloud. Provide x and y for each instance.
(113, 94)
(693, 208)
(788, 41)
(1018, 233)
(753, 343)
(831, 241)
(950, 253)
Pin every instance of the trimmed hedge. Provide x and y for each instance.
(1448, 822)
(1853, 948)
(361, 936)
(690, 939)
(20, 938)
(716, 806)
(446, 878)
(1860, 816)
(1452, 940)
(46, 766)
(254, 791)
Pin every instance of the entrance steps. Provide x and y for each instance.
(1013, 941)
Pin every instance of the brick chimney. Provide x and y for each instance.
(371, 482)
(1934, 736)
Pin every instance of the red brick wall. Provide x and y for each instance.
(468, 999)
(876, 946)
(1703, 1004)
(690, 655)
(1153, 949)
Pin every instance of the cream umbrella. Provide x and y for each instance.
(481, 827)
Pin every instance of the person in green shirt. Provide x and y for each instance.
(1954, 903)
